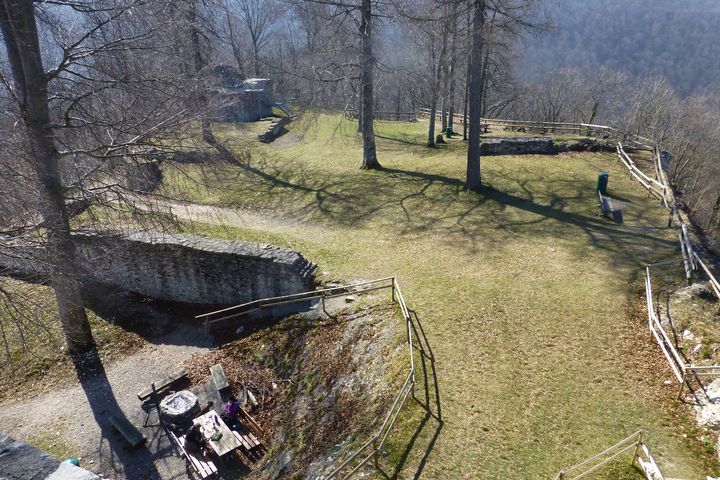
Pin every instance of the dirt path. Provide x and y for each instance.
(79, 414)
(217, 215)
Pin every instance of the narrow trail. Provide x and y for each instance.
(218, 215)
(80, 412)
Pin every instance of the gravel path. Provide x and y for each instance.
(79, 413)
(218, 215)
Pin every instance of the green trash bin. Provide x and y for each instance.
(602, 182)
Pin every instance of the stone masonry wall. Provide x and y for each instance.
(186, 268)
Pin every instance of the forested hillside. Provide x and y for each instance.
(678, 39)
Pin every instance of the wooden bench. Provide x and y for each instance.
(218, 375)
(200, 464)
(162, 384)
(128, 430)
(611, 207)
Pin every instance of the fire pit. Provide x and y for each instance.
(180, 407)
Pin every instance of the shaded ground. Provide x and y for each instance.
(75, 420)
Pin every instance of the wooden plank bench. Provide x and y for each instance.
(218, 375)
(610, 207)
(128, 430)
(162, 384)
(200, 464)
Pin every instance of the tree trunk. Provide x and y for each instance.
(473, 178)
(449, 91)
(198, 64)
(465, 104)
(443, 110)
(436, 84)
(370, 160)
(451, 72)
(17, 22)
(256, 59)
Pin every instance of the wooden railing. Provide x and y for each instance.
(223, 316)
(655, 188)
(386, 116)
(371, 448)
(550, 127)
(683, 370)
(641, 456)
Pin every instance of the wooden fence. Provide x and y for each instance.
(387, 116)
(555, 127)
(370, 449)
(641, 457)
(654, 187)
(683, 370)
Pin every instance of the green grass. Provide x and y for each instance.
(52, 441)
(34, 358)
(522, 288)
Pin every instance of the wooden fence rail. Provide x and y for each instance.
(372, 448)
(641, 454)
(212, 319)
(579, 128)
(681, 368)
(655, 188)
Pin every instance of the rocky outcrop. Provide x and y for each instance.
(20, 461)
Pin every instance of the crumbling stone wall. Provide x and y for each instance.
(192, 269)
(182, 268)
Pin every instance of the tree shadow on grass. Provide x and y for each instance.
(419, 203)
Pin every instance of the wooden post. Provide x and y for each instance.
(682, 385)
(376, 458)
(561, 475)
(637, 447)
(392, 294)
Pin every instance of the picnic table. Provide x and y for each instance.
(211, 423)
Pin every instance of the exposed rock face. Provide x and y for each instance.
(707, 414)
(182, 268)
(20, 461)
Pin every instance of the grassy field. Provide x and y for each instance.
(522, 289)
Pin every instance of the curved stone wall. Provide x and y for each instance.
(184, 268)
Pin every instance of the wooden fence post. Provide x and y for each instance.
(682, 385)
(375, 454)
(640, 441)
